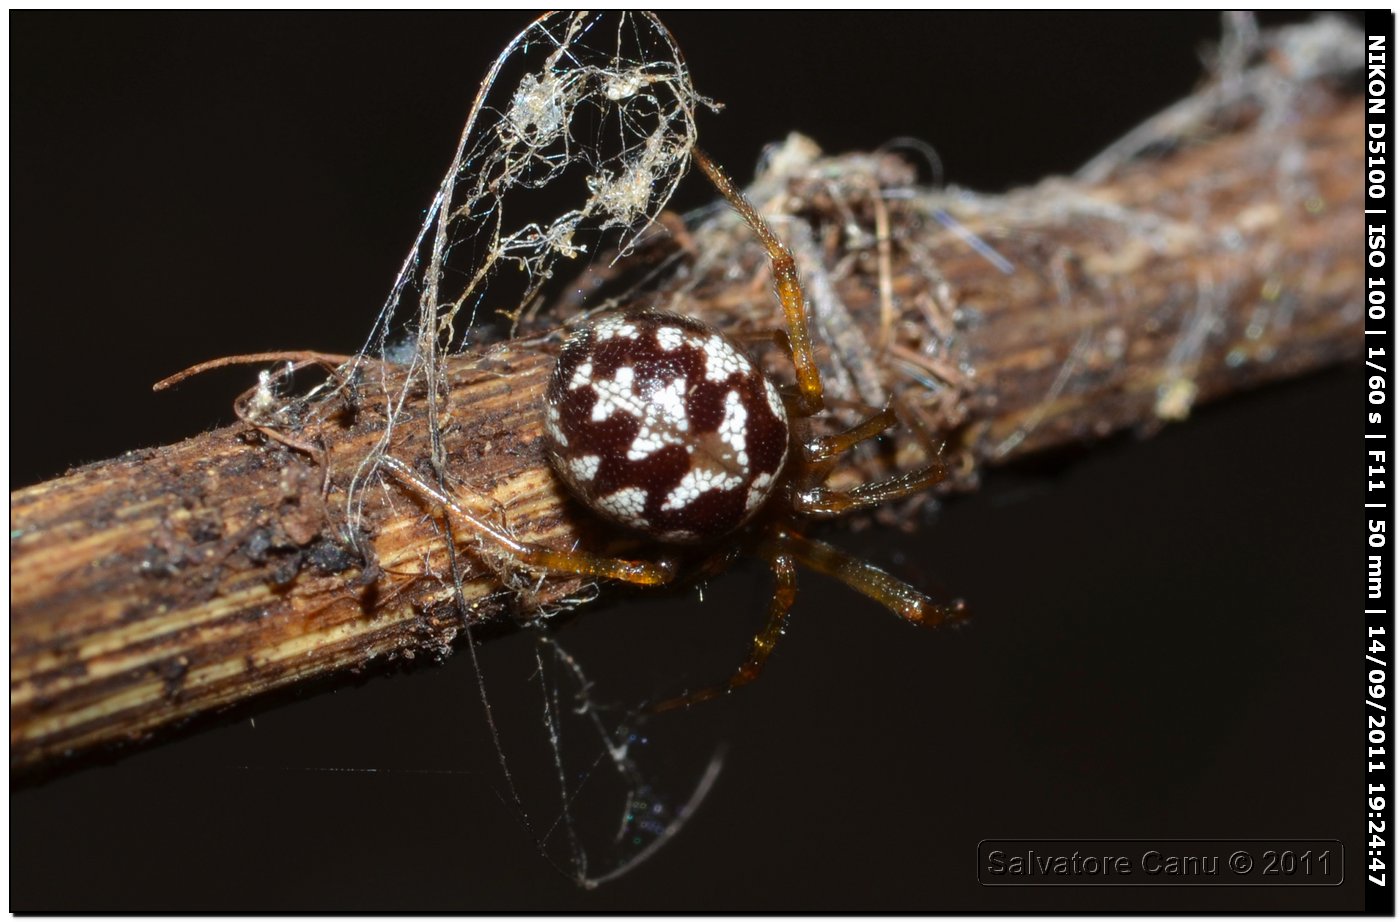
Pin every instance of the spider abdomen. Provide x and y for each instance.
(664, 425)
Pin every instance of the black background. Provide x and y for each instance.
(1166, 634)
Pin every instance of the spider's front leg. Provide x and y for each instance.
(810, 498)
(785, 280)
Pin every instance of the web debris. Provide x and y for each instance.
(598, 108)
(648, 820)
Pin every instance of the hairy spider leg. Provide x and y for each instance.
(784, 594)
(638, 572)
(789, 288)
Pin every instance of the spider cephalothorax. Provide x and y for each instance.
(664, 425)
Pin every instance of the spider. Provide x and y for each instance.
(667, 427)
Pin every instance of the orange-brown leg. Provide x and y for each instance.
(534, 556)
(809, 380)
(784, 592)
(869, 580)
(825, 502)
(820, 454)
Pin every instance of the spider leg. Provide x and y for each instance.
(642, 573)
(820, 454)
(784, 593)
(817, 449)
(824, 501)
(789, 288)
(869, 580)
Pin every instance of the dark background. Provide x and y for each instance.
(1165, 638)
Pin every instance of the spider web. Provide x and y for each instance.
(593, 114)
(613, 814)
(580, 132)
